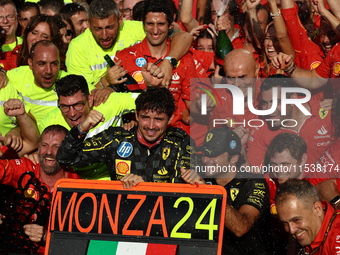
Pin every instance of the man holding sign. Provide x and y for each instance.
(149, 152)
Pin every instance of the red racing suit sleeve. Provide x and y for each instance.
(11, 170)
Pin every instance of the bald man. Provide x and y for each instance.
(240, 68)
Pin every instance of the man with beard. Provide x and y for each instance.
(149, 152)
(49, 171)
(107, 34)
(75, 103)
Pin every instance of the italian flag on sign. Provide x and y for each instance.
(128, 248)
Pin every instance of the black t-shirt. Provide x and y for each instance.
(244, 189)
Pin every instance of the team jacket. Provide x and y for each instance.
(124, 154)
(331, 245)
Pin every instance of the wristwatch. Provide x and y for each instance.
(335, 200)
(173, 61)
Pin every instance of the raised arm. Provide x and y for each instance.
(319, 6)
(186, 15)
(334, 7)
(255, 25)
(28, 128)
(180, 45)
(281, 30)
(311, 79)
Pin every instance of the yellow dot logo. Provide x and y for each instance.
(336, 68)
(315, 64)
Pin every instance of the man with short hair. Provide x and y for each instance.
(50, 7)
(27, 11)
(285, 159)
(148, 152)
(314, 224)
(108, 34)
(48, 171)
(247, 197)
(35, 82)
(75, 104)
(9, 22)
(157, 19)
(77, 14)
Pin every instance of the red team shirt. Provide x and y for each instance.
(11, 170)
(331, 246)
(330, 67)
(328, 166)
(308, 55)
(317, 131)
(134, 57)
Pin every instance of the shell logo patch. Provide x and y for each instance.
(231, 122)
(209, 136)
(322, 113)
(336, 68)
(233, 193)
(138, 77)
(315, 64)
(123, 167)
(140, 62)
(273, 209)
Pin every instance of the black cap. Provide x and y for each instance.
(220, 140)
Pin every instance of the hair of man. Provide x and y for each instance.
(301, 189)
(54, 129)
(156, 99)
(103, 9)
(70, 85)
(295, 144)
(27, 6)
(71, 9)
(159, 6)
(53, 5)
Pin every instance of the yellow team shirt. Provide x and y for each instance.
(11, 46)
(113, 109)
(85, 57)
(6, 122)
(39, 100)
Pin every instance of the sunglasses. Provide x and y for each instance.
(69, 32)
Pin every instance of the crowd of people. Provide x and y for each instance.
(62, 115)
